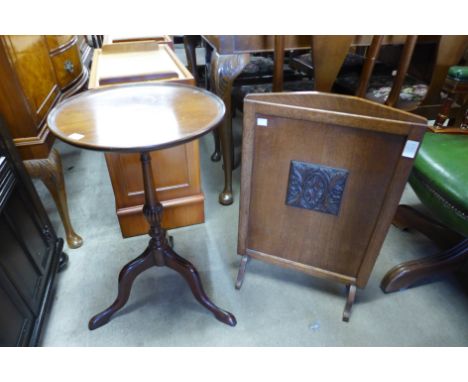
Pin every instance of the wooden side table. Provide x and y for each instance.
(142, 118)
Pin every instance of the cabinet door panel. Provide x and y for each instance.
(29, 55)
(15, 319)
(17, 264)
(26, 227)
(180, 178)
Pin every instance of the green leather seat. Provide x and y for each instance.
(458, 73)
(440, 178)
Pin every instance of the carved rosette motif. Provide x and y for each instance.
(316, 187)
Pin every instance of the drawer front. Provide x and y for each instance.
(67, 64)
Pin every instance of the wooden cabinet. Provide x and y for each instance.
(36, 73)
(29, 252)
(178, 184)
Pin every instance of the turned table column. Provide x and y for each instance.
(143, 118)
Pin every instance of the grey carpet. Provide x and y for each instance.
(275, 307)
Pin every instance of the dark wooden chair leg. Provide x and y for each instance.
(190, 45)
(240, 276)
(464, 123)
(216, 156)
(224, 70)
(126, 277)
(407, 217)
(190, 274)
(410, 273)
(350, 297)
(445, 112)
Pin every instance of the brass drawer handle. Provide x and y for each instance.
(68, 66)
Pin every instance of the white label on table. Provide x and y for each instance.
(76, 136)
(410, 149)
(262, 122)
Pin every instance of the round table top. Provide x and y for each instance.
(138, 117)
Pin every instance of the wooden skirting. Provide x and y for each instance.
(178, 212)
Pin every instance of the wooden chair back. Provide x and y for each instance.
(329, 53)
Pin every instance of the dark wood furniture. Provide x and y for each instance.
(456, 87)
(232, 53)
(29, 252)
(179, 186)
(37, 72)
(439, 178)
(131, 37)
(322, 175)
(142, 118)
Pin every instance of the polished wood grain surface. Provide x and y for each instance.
(232, 55)
(36, 72)
(58, 42)
(30, 57)
(327, 134)
(133, 37)
(229, 44)
(178, 187)
(67, 65)
(136, 62)
(141, 117)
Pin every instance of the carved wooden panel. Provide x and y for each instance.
(322, 175)
(316, 187)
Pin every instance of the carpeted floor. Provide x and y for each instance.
(275, 307)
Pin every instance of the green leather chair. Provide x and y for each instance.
(440, 180)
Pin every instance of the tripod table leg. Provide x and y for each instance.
(126, 277)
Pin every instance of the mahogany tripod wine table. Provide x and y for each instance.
(142, 118)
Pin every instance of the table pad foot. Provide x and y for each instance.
(172, 260)
(226, 198)
(190, 274)
(126, 277)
